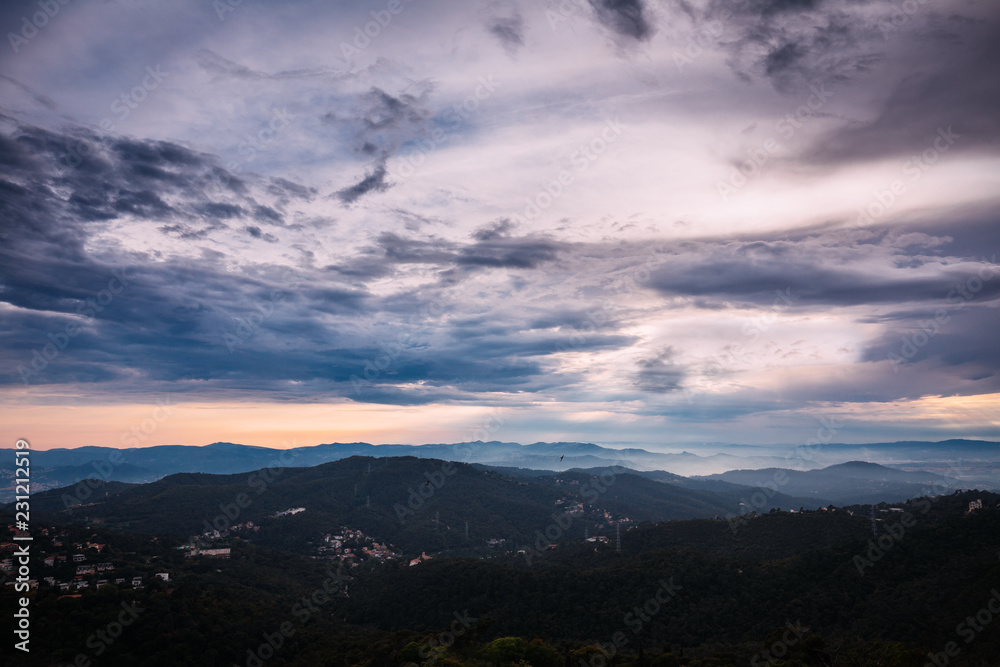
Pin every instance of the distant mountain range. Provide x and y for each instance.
(855, 482)
(973, 462)
(430, 504)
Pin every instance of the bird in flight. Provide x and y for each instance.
(561, 458)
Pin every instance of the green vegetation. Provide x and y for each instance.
(779, 589)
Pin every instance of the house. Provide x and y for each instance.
(84, 569)
(119, 581)
(293, 510)
(79, 558)
(136, 582)
(165, 576)
(103, 567)
(216, 553)
(102, 582)
(975, 505)
(50, 561)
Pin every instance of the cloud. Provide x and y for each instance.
(379, 125)
(497, 229)
(627, 18)
(945, 93)
(660, 374)
(376, 181)
(509, 31)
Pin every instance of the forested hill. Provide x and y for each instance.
(414, 504)
(698, 593)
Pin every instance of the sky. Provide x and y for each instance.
(629, 222)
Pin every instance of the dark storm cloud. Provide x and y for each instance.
(960, 334)
(490, 251)
(509, 30)
(837, 43)
(280, 187)
(494, 230)
(660, 374)
(517, 253)
(947, 93)
(375, 181)
(380, 124)
(811, 274)
(220, 210)
(267, 215)
(627, 18)
(158, 323)
(256, 233)
(132, 313)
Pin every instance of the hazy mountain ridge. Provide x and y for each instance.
(851, 482)
(973, 461)
(429, 504)
(413, 503)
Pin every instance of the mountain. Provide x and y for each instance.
(414, 504)
(813, 586)
(851, 482)
(975, 462)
